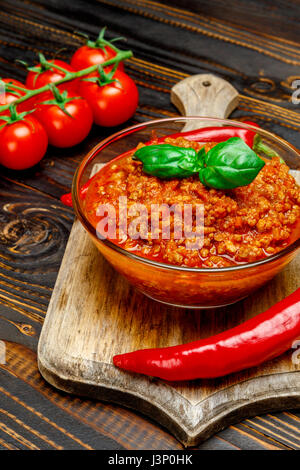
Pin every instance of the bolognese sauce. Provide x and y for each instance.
(241, 225)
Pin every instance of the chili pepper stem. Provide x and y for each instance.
(260, 147)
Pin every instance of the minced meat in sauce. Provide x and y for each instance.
(241, 225)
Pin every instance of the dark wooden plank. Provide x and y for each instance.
(34, 229)
(218, 443)
(250, 15)
(248, 440)
(278, 427)
(93, 423)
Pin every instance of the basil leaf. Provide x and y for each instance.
(191, 162)
(168, 161)
(226, 166)
(230, 164)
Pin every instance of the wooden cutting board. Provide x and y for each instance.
(94, 314)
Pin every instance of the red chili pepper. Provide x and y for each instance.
(221, 134)
(214, 134)
(217, 134)
(66, 199)
(259, 339)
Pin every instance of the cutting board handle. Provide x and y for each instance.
(204, 95)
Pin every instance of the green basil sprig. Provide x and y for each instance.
(168, 161)
(230, 164)
(226, 166)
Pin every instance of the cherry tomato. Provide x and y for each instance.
(37, 80)
(114, 103)
(65, 130)
(87, 56)
(22, 143)
(9, 97)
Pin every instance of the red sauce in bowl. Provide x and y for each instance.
(242, 225)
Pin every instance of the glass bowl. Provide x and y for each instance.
(178, 285)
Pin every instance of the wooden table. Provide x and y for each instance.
(251, 44)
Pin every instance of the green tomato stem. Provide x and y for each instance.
(15, 87)
(13, 112)
(121, 55)
(57, 67)
(112, 46)
(57, 95)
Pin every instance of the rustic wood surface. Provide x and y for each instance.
(255, 49)
(204, 95)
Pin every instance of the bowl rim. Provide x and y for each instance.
(122, 133)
